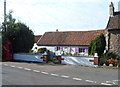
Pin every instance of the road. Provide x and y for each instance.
(35, 74)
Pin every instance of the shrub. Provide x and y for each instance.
(76, 54)
(97, 45)
(31, 51)
(103, 60)
(41, 50)
(108, 58)
(70, 54)
(111, 55)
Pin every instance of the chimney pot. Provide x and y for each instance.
(56, 30)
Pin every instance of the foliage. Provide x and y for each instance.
(97, 45)
(111, 55)
(41, 50)
(30, 51)
(70, 54)
(107, 58)
(76, 54)
(55, 60)
(21, 37)
(92, 48)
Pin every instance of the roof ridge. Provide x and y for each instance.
(74, 31)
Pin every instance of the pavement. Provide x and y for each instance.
(21, 73)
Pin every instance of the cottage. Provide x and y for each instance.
(72, 42)
(36, 38)
(69, 42)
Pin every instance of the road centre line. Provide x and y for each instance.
(110, 82)
(6, 64)
(65, 76)
(89, 81)
(116, 80)
(36, 71)
(44, 73)
(27, 69)
(54, 74)
(12, 66)
(105, 84)
(20, 67)
(77, 79)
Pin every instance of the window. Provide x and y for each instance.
(81, 50)
(58, 48)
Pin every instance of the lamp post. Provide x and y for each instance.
(5, 14)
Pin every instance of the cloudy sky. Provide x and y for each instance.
(65, 15)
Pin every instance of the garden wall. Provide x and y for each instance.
(84, 61)
(28, 57)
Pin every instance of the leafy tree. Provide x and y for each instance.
(97, 45)
(21, 37)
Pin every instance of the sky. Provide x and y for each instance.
(65, 15)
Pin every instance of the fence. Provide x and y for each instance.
(84, 61)
(28, 57)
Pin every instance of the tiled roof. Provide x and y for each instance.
(114, 22)
(37, 37)
(69, 38)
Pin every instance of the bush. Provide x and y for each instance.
(111, 55)
(69, 54)
(106, 56)
(97, 45)
(76, 54)
(103, 59)
(31, 51)
(41, 50)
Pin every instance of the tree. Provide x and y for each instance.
(97, 45)
(21, 37)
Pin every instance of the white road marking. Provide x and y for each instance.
(110, 82)
(12, 66)
(20, 67)
(27, 69)
(65, 76)
(89, 81)
(77, 79)
(6, 64)
(54, 74)
(36, 71)
(115, 80)
(105, 84)
(44, 73)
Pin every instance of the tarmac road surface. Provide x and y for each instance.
(35, 74)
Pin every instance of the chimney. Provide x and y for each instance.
(111, 9)
(56, 30)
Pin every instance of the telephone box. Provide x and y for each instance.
(8, 52)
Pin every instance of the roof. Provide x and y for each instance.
(69, 38)
(37, 37)
(114, 22)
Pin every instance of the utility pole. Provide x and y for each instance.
(5, 14)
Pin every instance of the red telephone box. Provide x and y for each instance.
(8, 52)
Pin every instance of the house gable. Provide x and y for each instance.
(36, 38)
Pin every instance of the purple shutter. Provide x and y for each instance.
(61, 48)
(76, 50)
(55, 48)
(86, 50)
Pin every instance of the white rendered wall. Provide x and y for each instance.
(84, 61)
